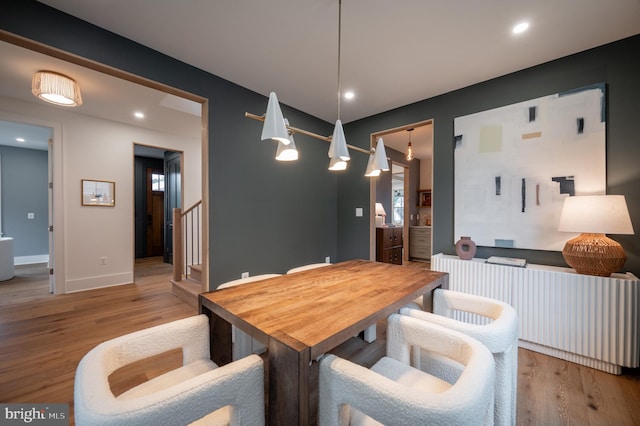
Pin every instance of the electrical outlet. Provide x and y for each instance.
(244, 275)
(31, 215)
(327, 259)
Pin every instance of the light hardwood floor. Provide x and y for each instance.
(43, 337)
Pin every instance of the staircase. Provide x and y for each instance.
(188, 289)
(187, 259)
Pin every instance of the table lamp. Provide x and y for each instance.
(593, 253)
(380, 215)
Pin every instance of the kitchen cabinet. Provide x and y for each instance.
(420, 242)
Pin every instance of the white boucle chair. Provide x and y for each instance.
(392, 392)
(199, 392)
(499, 334)
(243, 344)
(307, 267)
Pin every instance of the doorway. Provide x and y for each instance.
(157, 192)
(400, 189)
(18, 51)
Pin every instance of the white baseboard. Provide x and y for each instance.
(28, 260)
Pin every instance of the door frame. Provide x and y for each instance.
(372, 190)
(59, 276)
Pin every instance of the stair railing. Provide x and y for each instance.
(187, 245)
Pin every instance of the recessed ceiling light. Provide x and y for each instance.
(349, 94)
(138, 114)
(20, 139)
(520, 28)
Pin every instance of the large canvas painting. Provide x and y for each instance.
(515, 165)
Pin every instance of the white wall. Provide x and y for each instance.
(98, 149)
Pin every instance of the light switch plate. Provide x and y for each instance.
(358, 211)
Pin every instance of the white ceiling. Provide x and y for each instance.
(392, 53)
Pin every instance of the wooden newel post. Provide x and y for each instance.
(178, 258)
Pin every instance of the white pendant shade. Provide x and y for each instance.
(287, 152)
(380, 158)
(337, 164)
(274, 127)
(56, 89)
(338, 147)
(370, 171)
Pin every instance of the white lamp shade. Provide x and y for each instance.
(380, 210)
(274, 127)
(338, 147)
(380, 157)
(596, 214)
(337, 164)
(56, 89)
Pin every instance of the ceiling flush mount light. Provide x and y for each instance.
(520, 28)
(277, 128)
(593, 253)
(410, 155)
(56, 88)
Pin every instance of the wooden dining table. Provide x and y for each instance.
(303, 315)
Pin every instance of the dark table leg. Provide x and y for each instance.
(288, 383)
(220, 343)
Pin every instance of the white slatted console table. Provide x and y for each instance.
(589, 320)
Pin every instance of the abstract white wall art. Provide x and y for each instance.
(515, 165)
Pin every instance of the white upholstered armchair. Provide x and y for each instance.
(197, 391)
(499, 334)
(392, 392)
(243, 344)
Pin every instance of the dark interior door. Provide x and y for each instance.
(155, 212)
(172, 199)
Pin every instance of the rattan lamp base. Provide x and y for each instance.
(594, 254)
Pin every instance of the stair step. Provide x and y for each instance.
(195, 272)
(187, 291)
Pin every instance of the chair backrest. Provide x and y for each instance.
(246, 280)
(384, 396)
(307, 267)
(499, 333)
(184, 395)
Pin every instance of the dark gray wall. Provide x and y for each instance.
(264, 217)
(24, 190)
(616, 64)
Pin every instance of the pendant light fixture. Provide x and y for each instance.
(56, 88)
(277, 128)
(410, 155)
(377, 160)
(338, 147)
(287, 152)
(274, 126)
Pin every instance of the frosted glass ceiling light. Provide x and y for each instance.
(56, 88)
(274, 127)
